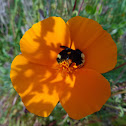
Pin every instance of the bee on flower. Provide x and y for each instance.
(64, 62)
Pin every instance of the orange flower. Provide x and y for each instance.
(42, 82)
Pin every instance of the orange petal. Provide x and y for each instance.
(89, 93)
(83, 31)
(102, 54)
(97, 45)
(36, 84)
(41, 43)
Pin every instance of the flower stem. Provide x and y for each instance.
(75, 3)
(80, 7)
(119, 66)
(121, 92)
(64, 120)
(114, 107)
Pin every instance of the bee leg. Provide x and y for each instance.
(64, 47)
(80, 66)
(70, 64)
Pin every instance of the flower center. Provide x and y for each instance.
(69, 60)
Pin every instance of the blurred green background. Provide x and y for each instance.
(17, 16)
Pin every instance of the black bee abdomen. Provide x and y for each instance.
(75, 56)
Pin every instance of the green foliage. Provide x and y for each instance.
(90, 10)
(17, 16)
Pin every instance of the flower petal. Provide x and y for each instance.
(36, 84)
(89, 93)
(41, 43)
(83, 31)
(102, 54)
(97, 45)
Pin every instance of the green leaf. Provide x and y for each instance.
(74, 13)
(90, 9)
(100, 9)
(114, 31)
(121, 114)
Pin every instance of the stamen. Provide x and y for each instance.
(64, 67)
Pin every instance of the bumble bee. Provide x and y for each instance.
(76, 56)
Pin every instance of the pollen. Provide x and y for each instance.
(66, 67)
